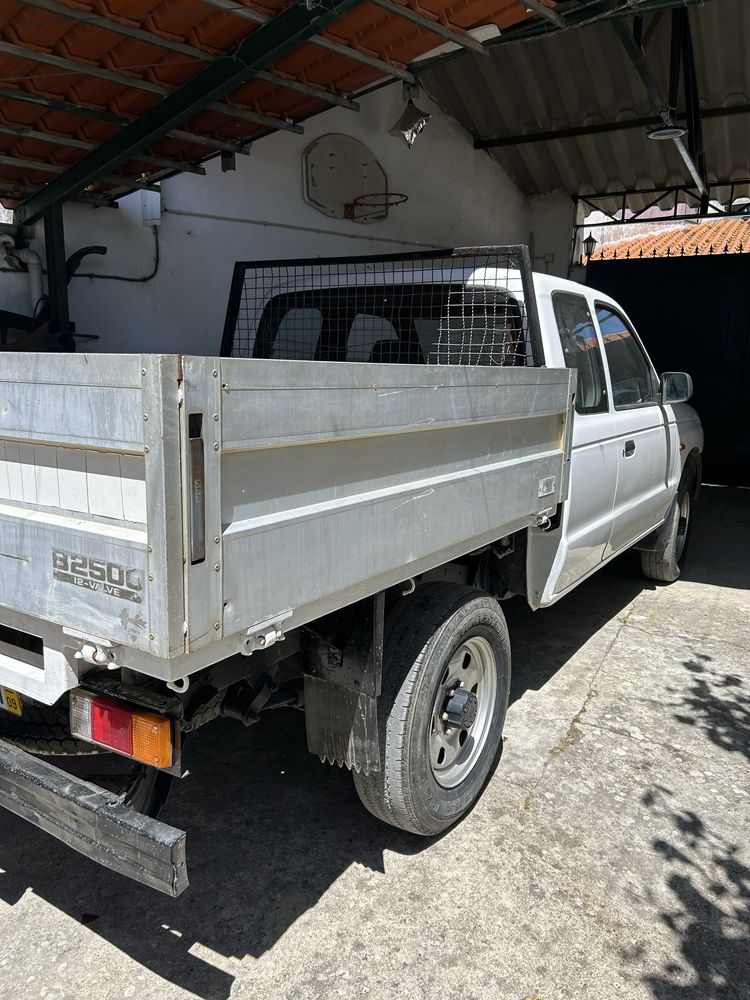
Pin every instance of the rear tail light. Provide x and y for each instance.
(126, 729)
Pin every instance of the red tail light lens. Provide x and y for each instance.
(111, 725)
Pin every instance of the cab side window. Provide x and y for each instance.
(581, 351)
(633, 382)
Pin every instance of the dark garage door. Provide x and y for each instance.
(693, 314)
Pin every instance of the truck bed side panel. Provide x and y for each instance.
(339, 479)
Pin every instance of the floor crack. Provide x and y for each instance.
(573, 734)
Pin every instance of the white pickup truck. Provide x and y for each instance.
(326, 517)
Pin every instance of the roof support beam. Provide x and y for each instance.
(675, 58)
(56, 104)
(260, 49)
(552, 135)
(13, 188)
(42, 167)
(171, 45)
(637, 57)
(138, 83)
(157, 161)
(596, 201)
(386, 68)
(101, 114)
(462, 38)
(57, 277)
(692, 101)
(543, 11)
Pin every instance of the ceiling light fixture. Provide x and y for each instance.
(661, 132)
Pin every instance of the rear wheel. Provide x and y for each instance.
(441, 713)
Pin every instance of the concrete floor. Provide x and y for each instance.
(608, 858)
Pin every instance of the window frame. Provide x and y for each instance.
(654, 378)
(604, 405)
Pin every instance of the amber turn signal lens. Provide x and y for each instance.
(152, 739)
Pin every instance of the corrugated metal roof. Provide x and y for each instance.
(699, 240)
(87, 56)
(584, 77)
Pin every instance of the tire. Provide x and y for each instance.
(44, 730)
(433, 638)
(665, 566)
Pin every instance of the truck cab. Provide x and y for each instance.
(630, 446)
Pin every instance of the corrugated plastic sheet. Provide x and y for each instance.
(583, 76)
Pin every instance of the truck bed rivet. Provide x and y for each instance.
(215, 373)
(216, 445)
(217, 539)
(217, 567)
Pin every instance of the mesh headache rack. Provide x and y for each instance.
(468, 306)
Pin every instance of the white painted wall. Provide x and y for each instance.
(457, 196)
(552, 218)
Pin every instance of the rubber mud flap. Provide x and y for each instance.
(92, 821)
(342, 725)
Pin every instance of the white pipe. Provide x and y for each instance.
(36, 289)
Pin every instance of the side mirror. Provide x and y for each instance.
(676, 387)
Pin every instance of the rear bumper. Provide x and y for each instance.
(92, 821)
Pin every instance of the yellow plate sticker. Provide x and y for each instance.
(11, 701)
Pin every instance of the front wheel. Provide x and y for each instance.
(665, 566)
(446, 679)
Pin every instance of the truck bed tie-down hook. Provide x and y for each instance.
(180, 685)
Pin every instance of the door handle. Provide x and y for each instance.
(629, 449)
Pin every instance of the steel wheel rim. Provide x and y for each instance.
(454, 749)
(682, 524)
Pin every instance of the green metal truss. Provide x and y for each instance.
(258, 50)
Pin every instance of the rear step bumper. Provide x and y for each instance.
(92, 821)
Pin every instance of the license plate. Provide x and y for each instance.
(10, 701)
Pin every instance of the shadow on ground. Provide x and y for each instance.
(719, 552)
(709, 907)
(708, 883)
(270, 829)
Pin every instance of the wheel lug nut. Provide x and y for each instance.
(444, 716)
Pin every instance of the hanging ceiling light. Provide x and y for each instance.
(410, 123)
(662, 132)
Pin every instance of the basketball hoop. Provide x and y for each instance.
(373, 206)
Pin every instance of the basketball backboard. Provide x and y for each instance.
(343, 180)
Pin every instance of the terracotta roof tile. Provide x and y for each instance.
(697, 240)
(33, 40)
